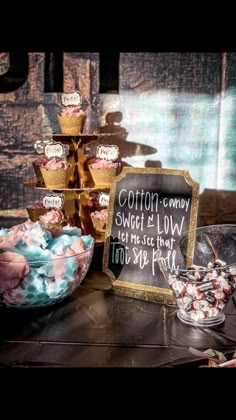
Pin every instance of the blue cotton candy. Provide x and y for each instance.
(36, 235)
(72, 264)
(54, 271)
(33, 283)
(58, 244)
(4, 231)
(46, 269)
(71, 230)
(88, 240)
(31, 292)
(34, 253)
(58, 289)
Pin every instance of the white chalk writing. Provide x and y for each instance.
(149, 226)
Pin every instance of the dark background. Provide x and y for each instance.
(180, 103)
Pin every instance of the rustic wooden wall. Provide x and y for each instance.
(183, 104)
(30, 114)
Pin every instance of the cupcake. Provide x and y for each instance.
(72, 120)
(53, 221)
(55, 173)
(99, 220)
(36, 165)
(36, 210)
(103, 172)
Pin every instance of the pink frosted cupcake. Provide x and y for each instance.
(53, 221)
(103, 172)
(36, 165)
(55, 173)
(99, 220)
(72, 120)
(36, 210)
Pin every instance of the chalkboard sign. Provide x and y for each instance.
(149, 210)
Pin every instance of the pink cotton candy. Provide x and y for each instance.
(33, 236)
(10, 240)
(23, 227)
(30, 233)
(78, 246)
(13, 296)
(15, 234)
(13, 268)
(59, 267)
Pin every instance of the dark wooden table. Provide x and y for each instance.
(96, 328)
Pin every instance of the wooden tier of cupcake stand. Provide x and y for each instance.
(77, 197)
(77, 204)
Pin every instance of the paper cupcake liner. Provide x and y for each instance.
(55, 178)
(71, 125)
(35, 213)
(103, 177)
(99, 225)
(38, 174)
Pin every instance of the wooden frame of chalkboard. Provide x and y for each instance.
(150, 209)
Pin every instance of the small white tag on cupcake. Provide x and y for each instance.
(103, 199)
(71, 99)
(107, 152)
(55, 149)
(53, 201)
(40, 146)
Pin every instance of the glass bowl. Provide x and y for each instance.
(39, 283)
(202, 291)
(212, 242)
